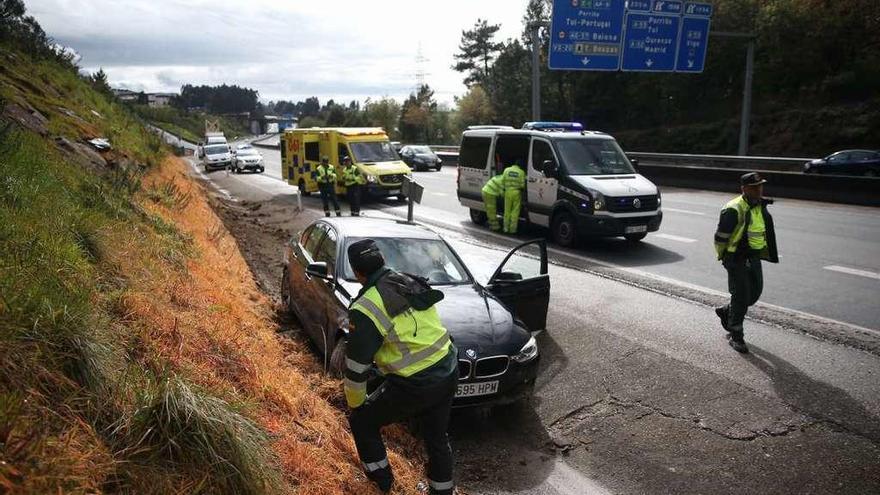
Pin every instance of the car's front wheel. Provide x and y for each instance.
(564, 230)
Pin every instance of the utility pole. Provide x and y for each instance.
(536, 68)
(746, 116)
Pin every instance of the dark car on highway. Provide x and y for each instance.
(848, 162)
(492, 325)
(420, 157)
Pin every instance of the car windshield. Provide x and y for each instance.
(376, 151)
(247, 152)
(216, 150)
(593, 157)
(428, 258)
(421, 149)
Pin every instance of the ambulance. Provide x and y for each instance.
(579, 183)
(368, 147)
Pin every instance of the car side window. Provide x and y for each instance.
(541, 151)
(314, 239)
(859, 156)
(839, 157)
(327, 251)
(474, 152)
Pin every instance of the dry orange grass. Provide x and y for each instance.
(214, 325)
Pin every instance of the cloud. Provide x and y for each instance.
(343, 50)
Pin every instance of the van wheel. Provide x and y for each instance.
(336, 366)
(564, 230)
(302, 188)
(478, 217)
(635, 237)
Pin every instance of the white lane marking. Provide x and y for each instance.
(686, 212)
(659, 278)
(208, 179)
(439, 193)
(675, 238)
(853, 271)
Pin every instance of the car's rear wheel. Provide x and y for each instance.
(302, 188)
(564, 230)
(871, 173)
(478, 217)
(336, 366)
(635, 237)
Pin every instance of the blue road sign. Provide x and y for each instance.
(586, 34)
(651, 42)
(692, 44)
(639, 5)
(697, 9)
(667, 7)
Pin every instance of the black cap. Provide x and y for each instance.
(365, 257)
(751, 179)
(325, 158)
(346, 159)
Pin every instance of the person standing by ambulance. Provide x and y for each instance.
(514, 178)
(395, 325)
(326, 179)
(745, 236)
(354, 182)
(493, 190)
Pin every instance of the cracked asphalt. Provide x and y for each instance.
(639, 392)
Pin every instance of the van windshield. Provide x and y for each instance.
(593, 157)
(216, 150)
(375, 151)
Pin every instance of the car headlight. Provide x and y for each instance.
(527, 353)
(598, 201)
(371, 178)
(659, 199)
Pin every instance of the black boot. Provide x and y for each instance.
(723, 313)
(382, 478)
(738, 343)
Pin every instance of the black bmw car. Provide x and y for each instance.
(848, 162)
(420, 157)
(491, 325)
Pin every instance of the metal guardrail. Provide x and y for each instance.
(779, 164)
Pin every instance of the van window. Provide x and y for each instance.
(541, 152)
(312, 152)
(474, 151)
(342, 151)
(593, 157)
(512, 149)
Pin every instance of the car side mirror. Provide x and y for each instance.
(550, 168)
(318, 269)
(508, 277)
(635, 163)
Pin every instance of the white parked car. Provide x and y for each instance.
(248, 159)
(217, 156)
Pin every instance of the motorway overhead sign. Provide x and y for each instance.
(629, 35)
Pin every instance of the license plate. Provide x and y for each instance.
(635, 229)
(392, 192)
(476, 389)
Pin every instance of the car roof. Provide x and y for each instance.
(546, 134)
(379, 228)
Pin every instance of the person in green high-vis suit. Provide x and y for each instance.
(491, 192)
(514, 178)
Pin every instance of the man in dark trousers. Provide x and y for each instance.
(745, 236)
(325, 176)
(354, 182)
(395, 325)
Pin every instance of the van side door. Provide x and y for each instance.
(542, 185)
(473, 169)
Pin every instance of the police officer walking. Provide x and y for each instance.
(396, 326)
(354, 181)
(514, 178)
(745, 236)
(491, 192)
(326, 178)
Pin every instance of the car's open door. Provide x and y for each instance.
(523, 284)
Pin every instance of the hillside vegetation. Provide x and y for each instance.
(189, 126)
(136, 353)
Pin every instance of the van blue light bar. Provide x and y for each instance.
(554, 126)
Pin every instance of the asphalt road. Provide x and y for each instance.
(830, 254)
(638, 391)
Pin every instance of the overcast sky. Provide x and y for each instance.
(285, 49)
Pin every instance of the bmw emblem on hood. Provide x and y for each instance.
(471, 353)
(637, 203)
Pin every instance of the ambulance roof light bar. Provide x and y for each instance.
(554, 126)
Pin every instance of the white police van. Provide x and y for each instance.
(580, 183)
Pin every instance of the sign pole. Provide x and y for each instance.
(536, 71)
(747, 100)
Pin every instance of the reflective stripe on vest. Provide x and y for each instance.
(413, 340)
(757, 231)
(495, 186)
